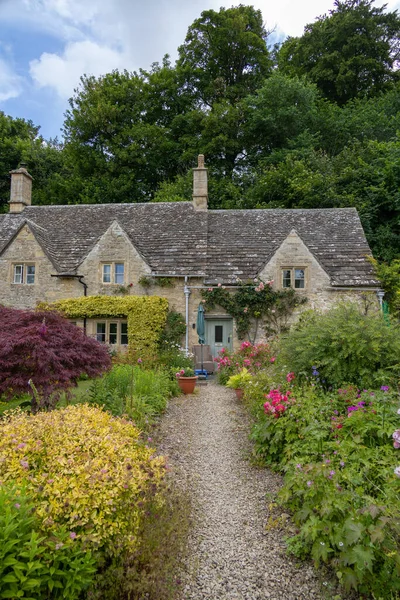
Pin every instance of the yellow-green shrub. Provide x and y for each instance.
(146, 316)
(84, 469)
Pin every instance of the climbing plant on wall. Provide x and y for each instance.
(253, 304)
(146, 316)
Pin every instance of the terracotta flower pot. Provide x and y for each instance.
(239, 393)
(187, 384)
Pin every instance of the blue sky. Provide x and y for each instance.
(46, 45)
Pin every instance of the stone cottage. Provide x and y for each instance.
(49, 253)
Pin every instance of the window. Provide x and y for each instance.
(113, 273)
(112, 332)
(24, 273)
(294, 277)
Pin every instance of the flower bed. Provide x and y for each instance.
(339, 451)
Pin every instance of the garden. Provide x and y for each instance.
(86, 507)
(325, 403)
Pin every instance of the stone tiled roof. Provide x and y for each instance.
(334, 236)
(174, 239)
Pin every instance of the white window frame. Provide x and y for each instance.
(113, 273)
(292, 270)
(24, 278)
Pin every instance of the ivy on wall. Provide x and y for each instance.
(252, 304)
(146, 316)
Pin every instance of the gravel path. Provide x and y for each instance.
(232, 555)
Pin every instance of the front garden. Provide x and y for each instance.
(86, 508)
(326, 409)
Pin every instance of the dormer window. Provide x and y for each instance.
(24, 273)
(293, 277)
(113, 273)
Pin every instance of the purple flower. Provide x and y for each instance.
(309, 483)
(331, 474)
(384, 388)
(352, 408)
(298, 466)
(342, 463)
(24, 463)
(72, 535)
(327, 461)
(139, 361)
(21, 445)
(17, 505)
(361, 403)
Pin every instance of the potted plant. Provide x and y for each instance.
(186, 380)
(238, 381)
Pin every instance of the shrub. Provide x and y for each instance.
(344, 345)
(341, 480)
(83, 469)
(45, 349)
(141, 394)
(35, 565)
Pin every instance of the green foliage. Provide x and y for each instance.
(349, 53)
(239, 380)
(254, 304)
(389, 276)
(174, 330)
(83, 469)
(142, 394)
(344, 345)
(336, 451)
(34, 564)
(151, 572)
(146, 316)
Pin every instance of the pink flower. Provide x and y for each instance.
(72, 535)
(245, 310)
(209, 290)
(21, 445)
(220, 284)
(290, 377)
(17, 505)
(24, 463)
(272, 360)
(139, 361)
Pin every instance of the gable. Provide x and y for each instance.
(115, 246)
(293, 252)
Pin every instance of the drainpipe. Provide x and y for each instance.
(186, 291)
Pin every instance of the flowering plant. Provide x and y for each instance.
(186, 372)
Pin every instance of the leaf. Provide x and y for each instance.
(353, 531)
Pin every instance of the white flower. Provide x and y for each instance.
(397, 471)
(340, 544)
(398, 412)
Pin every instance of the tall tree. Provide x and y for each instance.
(350, 53)
(225, 55)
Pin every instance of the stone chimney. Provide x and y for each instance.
(200, 185)
(21, 189)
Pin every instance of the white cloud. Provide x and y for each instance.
(63, 72)
(10, 82)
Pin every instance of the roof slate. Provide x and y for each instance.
(220, 246)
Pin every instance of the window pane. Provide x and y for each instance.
(299, 279)
(286, 278)
(18, 273)
(219, 333)
(101, 332)
(113, 333)
(30, 274)
(124, 334)
(106, 273)
(119, 272)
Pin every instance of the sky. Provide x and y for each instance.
(47, 45)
